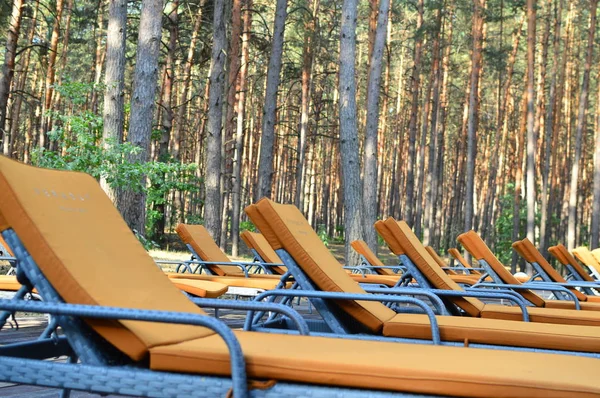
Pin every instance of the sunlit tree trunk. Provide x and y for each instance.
(531, 138)
(476, 60)
(132, 203)
(353, 223)
(8, 70)
(114, 80)
(581, 123)
(370, 148)
(212, 207)
(265, 163)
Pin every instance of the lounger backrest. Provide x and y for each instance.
(596, 254)
(563, 256)
(587, 257)
(361, 247)
(258, 242)
(459, 257)
(531, 254)
(203, 244)
(4, 249)
(88, 253)
(480, 251)
(438, 260)
(402, 240)
(286, 228)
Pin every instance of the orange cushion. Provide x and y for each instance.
(414, 368)
(478, 249)
(232, 281)
(565, 258)
(458, 257)
(408, 243)
(6, 252)
(258, 242)
(294, 234)
(545, 315)
(201, 288)
(89, 255)
(532, 255)
(587, 257)
(498, 332)
(203, 244)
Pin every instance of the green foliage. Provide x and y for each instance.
(322, 232)
(247, 226)
(504, 224)
(76, 142)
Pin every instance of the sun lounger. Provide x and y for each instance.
(479, 250)
(65, 232)
(219, 267)
(266, 254)
(371, 259)
(528, 251)
(590, 260)
(403, 242)
(315, 269)
(563, 256)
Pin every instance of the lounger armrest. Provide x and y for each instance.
(435, 332)
(412, 291)
(540, 286)
(252, 306)
(594, 285)
(478, 293)
(238, 363)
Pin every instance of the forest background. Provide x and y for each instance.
(449, 114)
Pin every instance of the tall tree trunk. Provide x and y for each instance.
(8, 70)
(212, 208)
(531, 138)
(239, 135)
(581, 123)
(99, 55)
(265, 163)
(549, 124)
(166, 119)
(22, 80)
(353, 227)
(476, 60)
(307, 66)
(114, 81)
(132, 203)
(595, 228)
(370, 148)
(431, 183)
(50, 76)
(412, 124)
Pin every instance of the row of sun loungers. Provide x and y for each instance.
(127, 328)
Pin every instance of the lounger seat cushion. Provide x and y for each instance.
(495, 331)
(10, 283)
(386, 280)
(570, 305)
(232, 281)
(201, 288)
(546, 315)
(203, 244)
(258, 242)
(389, 366)
(285, 227)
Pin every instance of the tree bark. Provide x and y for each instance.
(412, 124)
(473, 120)
(212, 208)
(531, 138)
(265, 163)
(114, 80)
(353, 227)
(370, 147)
(581, 122)
(132, 203)
(50, 76)
(239, 135)
(307, 68)
(595, 227)
(8, 70)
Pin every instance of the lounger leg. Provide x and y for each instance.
(19, 295)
